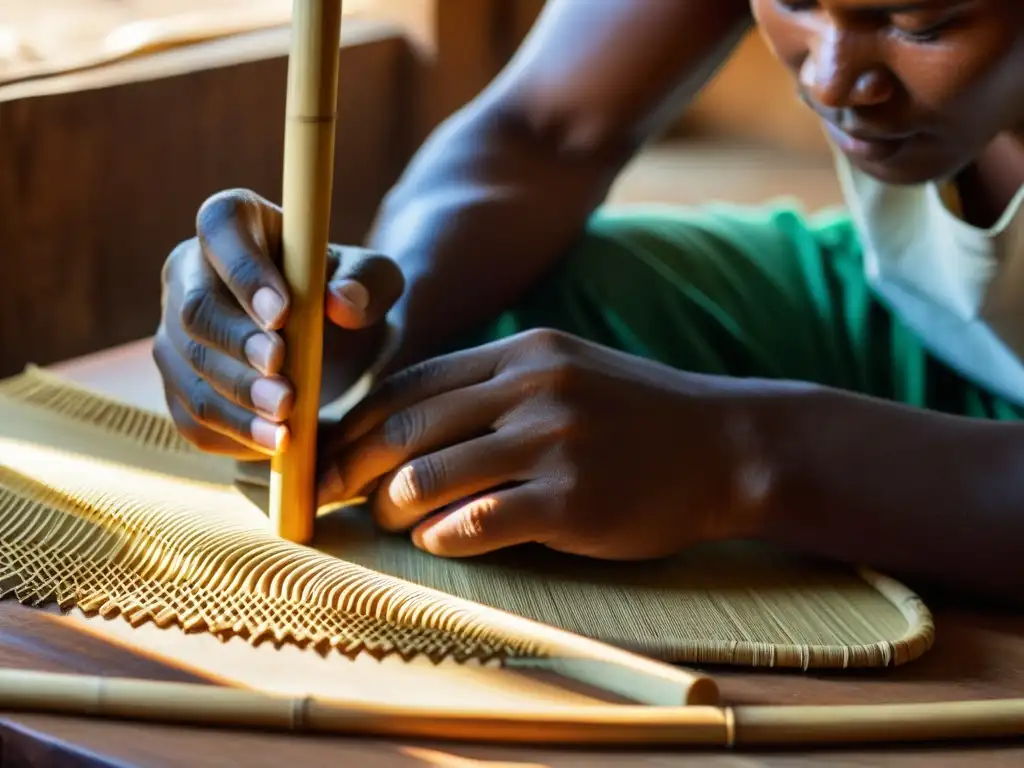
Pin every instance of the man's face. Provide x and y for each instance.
(910, 90)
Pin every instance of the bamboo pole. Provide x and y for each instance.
(600, 725)
(602, 666)
(311, 106)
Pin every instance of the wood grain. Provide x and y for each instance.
(102, 175)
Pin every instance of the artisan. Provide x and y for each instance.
(627, 383)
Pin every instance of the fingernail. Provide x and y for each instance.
(417, 539)
(268, 305)
(271, 436)
(353, 293)
(271, 396)
(426, 537)
(261, 352)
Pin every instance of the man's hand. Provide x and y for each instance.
(224, 299)
(547, 438)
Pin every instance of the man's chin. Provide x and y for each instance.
(910, 168)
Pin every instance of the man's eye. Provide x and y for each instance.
(915, 29)
(798, 5)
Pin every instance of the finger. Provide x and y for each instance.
(425, 380)
(489, 522)
(365, 285)
(212, 319)
(432, 481)
(207, 408)
(441, 421)
(207, 440)
(198, 301)
(271, 396)
(235, 229)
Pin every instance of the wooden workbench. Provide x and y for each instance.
(977, 655)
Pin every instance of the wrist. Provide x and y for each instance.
(765, 430)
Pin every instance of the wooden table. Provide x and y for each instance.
(977, 655)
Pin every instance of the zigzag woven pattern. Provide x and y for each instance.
(105, 507)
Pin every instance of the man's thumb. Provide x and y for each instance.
(363, 288)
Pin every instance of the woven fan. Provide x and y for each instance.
(105, 506)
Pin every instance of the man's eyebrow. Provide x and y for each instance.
(887, 6)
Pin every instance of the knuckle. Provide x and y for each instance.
(197, 355)
(414, 375)
(223, 208)
(241, 389)
(417, 482)
(402, 430)
(371, 268)
(410, 379)
(528, 385)
(237, 333)
(196, 310)
(232, 333)
(543, 363)
(473, 520)
(547, 340)
(242, 272)
(200, 403)
(549, 381)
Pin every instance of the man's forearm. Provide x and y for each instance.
(924, 496)
(484, 210)
(500, 191)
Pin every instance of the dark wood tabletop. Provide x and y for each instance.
(978, 654)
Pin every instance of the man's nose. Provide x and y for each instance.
(837, 75)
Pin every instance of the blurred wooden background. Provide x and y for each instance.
(101, 171)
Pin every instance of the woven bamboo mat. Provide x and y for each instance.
(104, 506)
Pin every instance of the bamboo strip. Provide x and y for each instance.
(920, 634)
(603, 666)
(365, 611)
(880, 723)
(744, 726)
(306, 203)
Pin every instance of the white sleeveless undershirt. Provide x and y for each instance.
(959, 288)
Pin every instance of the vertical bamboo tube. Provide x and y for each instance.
(311, 105)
